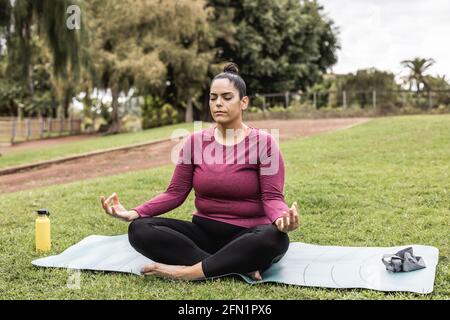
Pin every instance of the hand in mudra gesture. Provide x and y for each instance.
(114, 208)
(289, 221)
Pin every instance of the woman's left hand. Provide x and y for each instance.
(289, 221)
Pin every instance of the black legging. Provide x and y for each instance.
(221, 247)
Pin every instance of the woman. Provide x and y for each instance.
(241, 222)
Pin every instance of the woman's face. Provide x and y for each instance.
(224, 102)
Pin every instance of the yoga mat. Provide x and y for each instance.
(304, 264)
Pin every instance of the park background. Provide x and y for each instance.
(84, 84)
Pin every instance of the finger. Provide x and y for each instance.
(108, 200)
(285, 222)
(280, 224)
(113, 211)
(296, 219)
(108, 209)
(115, 199)
(290, 218)
(104, 205)
(280, 221)
(292, 214)
(291, 225)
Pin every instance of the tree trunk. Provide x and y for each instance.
(115, 125)
(26, 34)
(30, 85)
(93, 123)
(54, 110)
(189, 111)
(26, 42)
(66, 103)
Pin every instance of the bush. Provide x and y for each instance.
(277, 109)
(258, 102)
(156, 113)
(254, 110)
(168, 114)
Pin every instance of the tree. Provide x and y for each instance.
(360, 86)
(14, 98)
(5, 20)
(46, 19)
(187, 51)
(124, 51)
(441, 86)
(416, 68)
(279, 45)
(159, 41)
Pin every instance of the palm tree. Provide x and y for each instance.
(417, 68)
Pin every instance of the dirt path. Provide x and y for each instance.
(150, 156)
(36, 144)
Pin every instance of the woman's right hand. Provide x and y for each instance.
(114, 208)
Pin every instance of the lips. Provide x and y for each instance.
(219, 113)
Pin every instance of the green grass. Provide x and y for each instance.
(96, 143)
(382, 183)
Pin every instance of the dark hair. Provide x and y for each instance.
(231, 72)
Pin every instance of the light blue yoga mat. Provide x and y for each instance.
(304, 264)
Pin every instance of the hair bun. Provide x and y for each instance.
(231, 68)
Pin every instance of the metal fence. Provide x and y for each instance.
(13, 130)
(352, 98)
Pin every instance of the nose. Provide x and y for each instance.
(218, 102)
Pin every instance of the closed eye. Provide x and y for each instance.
(214, 98)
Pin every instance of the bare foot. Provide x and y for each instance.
(182, 272)
(255, 275)
(171, 271)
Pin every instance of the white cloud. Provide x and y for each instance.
(381, 33)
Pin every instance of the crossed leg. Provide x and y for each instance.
(182, 250)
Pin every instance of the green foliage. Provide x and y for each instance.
(39, 47)
(442, 86)
(5, 16)
(157, 113)
(254, 110)
(156, 43)
(280, 45)
(360, 86)
(416, 76)
(168, 114)
(13, 93)
(359, 89)
(257, 102)
(277, 109)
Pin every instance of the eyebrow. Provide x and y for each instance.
(215, 94)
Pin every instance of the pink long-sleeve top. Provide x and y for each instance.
(240, 184)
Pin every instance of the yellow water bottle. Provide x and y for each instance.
(43, 242)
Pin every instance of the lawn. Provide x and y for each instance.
(94, 144)
(382, 183)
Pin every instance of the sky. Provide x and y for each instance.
(382, 33)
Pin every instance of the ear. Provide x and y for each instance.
(244, 102)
